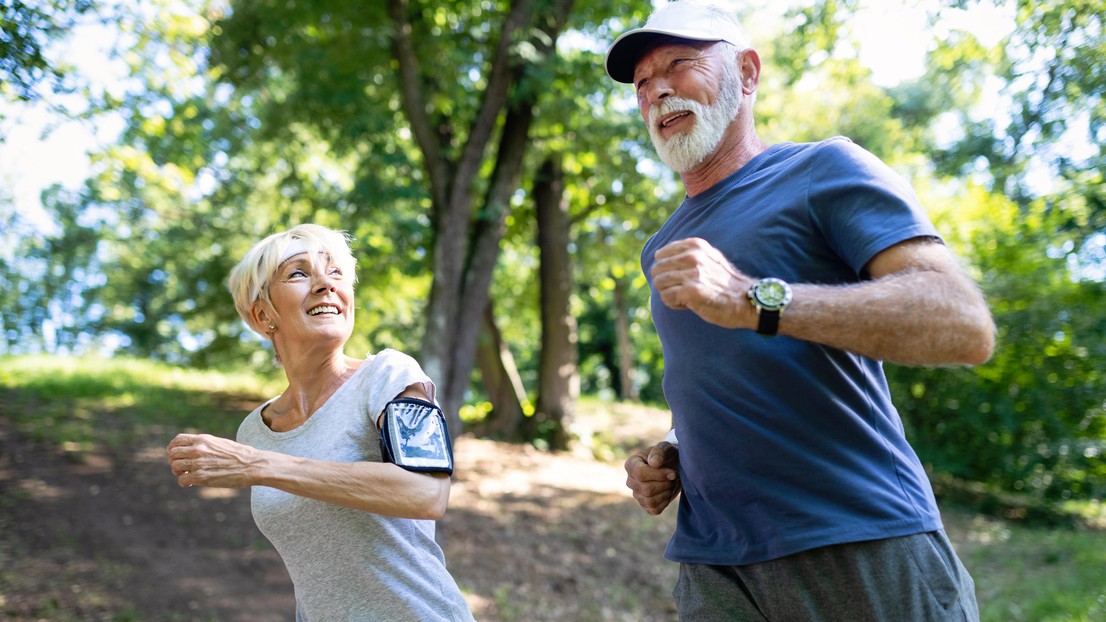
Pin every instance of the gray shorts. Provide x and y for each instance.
(910, 579)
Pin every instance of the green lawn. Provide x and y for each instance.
(1032, 574)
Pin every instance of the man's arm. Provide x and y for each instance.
(919, 308)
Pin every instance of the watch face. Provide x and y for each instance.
(773, 293)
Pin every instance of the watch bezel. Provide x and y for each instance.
(768, 312)
(760, 287)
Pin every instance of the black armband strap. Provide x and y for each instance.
(413, 435)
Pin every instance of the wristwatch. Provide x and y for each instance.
(770, 296)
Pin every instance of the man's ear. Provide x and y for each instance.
(748, 66)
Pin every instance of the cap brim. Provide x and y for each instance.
(624, 53)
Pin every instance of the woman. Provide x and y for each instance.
(356, 533)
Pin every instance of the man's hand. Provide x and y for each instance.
(692, 274)
(651, 475)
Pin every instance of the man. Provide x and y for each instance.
(784, 278)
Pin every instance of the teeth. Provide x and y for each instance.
(667, 121)
(323, 309)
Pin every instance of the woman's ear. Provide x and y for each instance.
(261, 320)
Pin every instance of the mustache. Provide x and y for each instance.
(673, 104)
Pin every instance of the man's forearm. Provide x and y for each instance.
(922, 317)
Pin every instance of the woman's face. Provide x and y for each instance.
(313, 303)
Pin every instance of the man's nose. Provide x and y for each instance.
(656, 91)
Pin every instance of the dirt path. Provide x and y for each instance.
(105, 538)
(529, 535)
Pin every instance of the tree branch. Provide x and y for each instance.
(414, 104)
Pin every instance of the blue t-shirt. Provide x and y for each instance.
(788, 445)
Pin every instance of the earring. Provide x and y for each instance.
(272, 326)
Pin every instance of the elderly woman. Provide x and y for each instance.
(356, 532)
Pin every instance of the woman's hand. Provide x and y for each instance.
(206, 460)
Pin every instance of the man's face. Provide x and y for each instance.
(688, 96)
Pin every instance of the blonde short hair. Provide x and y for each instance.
(249, 280)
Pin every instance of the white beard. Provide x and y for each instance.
(684, 151)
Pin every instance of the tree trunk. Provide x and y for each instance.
(559, 380)
(625, 349)
(468, 230)
(501, 382)
(454, 310)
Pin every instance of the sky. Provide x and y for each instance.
(38, 149)
(38, 146)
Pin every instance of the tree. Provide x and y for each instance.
(1052, 64)
(1038, 255)
(470, 125)
(501, 382)
(26, 30)
(558, 377)
(423, 128)
(48, 280)
(463, 272)
(1032, 419)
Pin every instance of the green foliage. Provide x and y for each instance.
(46, 278)
(26, 30)
(1032, 419)
(1052, 66)
(818, 29)
(190, 187)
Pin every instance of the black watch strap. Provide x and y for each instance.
(768, 322)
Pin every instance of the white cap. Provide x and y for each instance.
(683, 19)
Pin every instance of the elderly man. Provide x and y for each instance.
(780, 283)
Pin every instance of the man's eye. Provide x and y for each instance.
(642, 84)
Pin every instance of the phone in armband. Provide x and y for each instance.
(413, 435)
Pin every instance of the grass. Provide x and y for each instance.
(1033, 573)
(57, 400)
(1023, 573)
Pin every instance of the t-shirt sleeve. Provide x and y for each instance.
(393, 371)
(861, 205)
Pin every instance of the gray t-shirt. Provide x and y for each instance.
(347, 564)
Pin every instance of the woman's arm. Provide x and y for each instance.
(377, 487)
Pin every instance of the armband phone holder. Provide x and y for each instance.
(413, 436)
